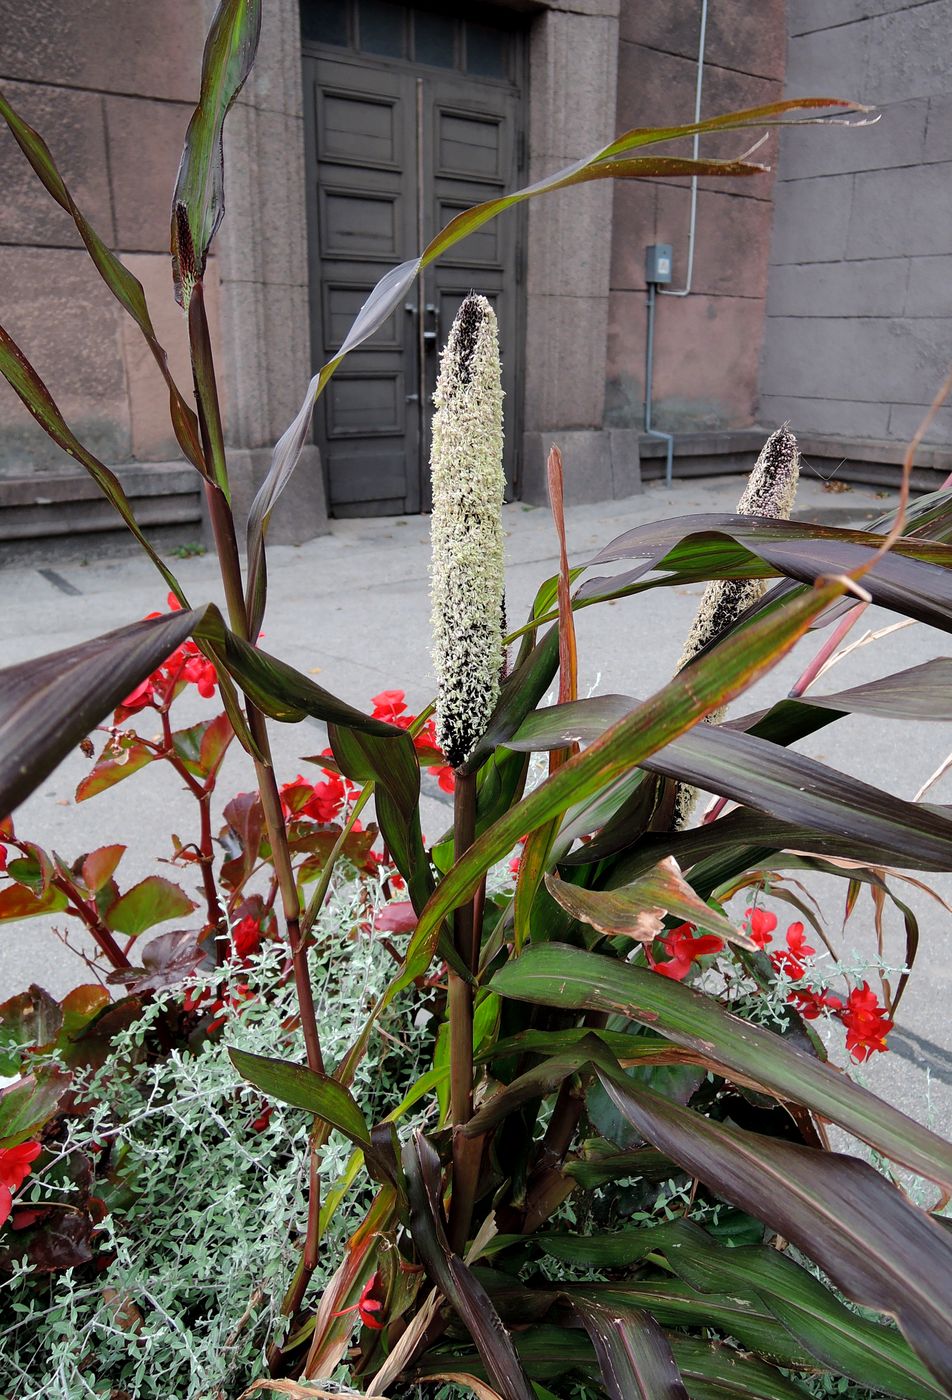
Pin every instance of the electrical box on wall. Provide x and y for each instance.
(658, 263)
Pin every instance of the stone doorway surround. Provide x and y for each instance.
(263, 263)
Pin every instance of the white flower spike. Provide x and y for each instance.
(467, 570)
(770, 491)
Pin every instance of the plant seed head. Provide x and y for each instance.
(466, 572)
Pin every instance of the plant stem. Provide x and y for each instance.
(206, 855)
(317, 898)
(467, 1152)
(102, 936)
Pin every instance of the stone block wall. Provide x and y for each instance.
(859, 308)
(110, 86)
(708, 344)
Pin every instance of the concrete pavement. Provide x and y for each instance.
(351, 609)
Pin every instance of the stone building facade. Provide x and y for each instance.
(821, 296)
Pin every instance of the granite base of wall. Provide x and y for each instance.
(598, 464)
(66, 515)
(301, 512)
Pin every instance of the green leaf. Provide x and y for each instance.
(761, 774)
(637, 910)
(868, 1352)
(277, 688)
(125, 288)
(30, 1103)
(152, 901)
(455, 1281)
(121, 757)
(391, 764)
(198, 201)
(29, 1019)
(692, 694)
(880, 1250)
(571, 978)
(915, 578)
(634, 1354)
(17, 902)
(305, 1088)
(726, 1372)
(100, 866)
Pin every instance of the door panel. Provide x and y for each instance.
(396, 148)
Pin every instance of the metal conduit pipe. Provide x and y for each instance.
(653, 289)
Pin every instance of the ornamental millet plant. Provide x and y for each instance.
(468, 604)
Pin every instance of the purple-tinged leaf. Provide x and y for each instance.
(882, 1252)
(198, 201)
(633, 1353)
(572, 978)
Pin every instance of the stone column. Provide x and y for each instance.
(262, 260)
(573, 67)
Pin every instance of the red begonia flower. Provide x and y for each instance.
(761, 924)
(14, 1169)
(389, 704)
(682, 948)
(366, 1307)
(246, 936)
(866, 1023)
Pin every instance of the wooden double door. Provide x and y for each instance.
(398, 143)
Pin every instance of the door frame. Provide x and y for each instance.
(261, 253)
(417, 492)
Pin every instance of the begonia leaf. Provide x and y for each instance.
(152, 901)
(100, 866)
(29, 1019)
(28, 1104)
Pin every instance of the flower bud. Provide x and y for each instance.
(466, 572)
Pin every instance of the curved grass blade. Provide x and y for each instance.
(282, 692)
(692, 694)
(870, 1353)
(633, 1353)
(29, 387)
(126, 288)
(49, 705)
(638, 910)
(198, 201)
(877, 1248)
(305, 1088)
(391, 763)
(753, 771)
(611, 162)
(572, 978)
(455, 1281)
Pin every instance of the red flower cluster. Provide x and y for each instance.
(867, 1025)
(186, 666)
(15, 1166)
(682, 947)
(204, 1000)
(246, 937)
(322, 801)
(391, 707)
